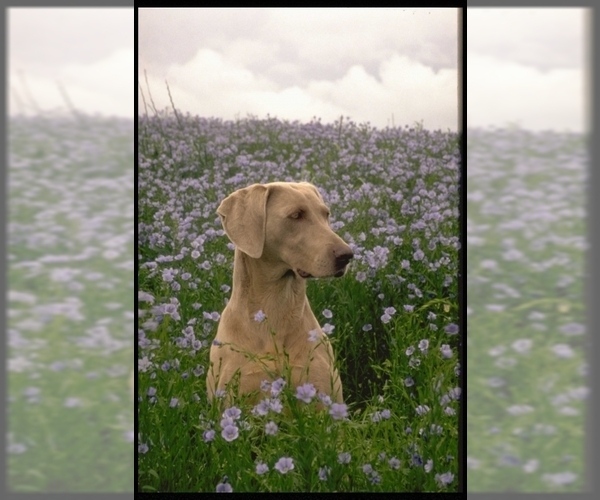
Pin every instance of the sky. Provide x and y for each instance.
(383, 66)
(88, 51)
(527, 67)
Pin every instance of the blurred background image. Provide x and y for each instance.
(527, 148)
(69, 250)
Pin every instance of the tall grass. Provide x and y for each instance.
(526, 229)
(393, 195)
(70, 304)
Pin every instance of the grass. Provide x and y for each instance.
(526, 229)
(393, 194)
(70, 304)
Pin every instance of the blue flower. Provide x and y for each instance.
(284, 464)
(306, 392)
(338, 411)
(261, 468)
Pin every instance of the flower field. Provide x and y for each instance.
(392, 319)
(70, 299)
(526, 236)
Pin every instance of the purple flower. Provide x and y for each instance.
(328, 329)
(233, 413)
(227, 421)
(327, 313)
(277, 386)
(306, 392)
(271, 428)
(230, 433)
(313, 335)
(261, 468)
(422, 409)
(324, 472)
(394, 463)
(386, 318)
(451, 329)
(573, 329)
(260, 316)
(344, 458)
(454, 393)
(446, 351)
(208, 435)
(563, 351)
(338, 411)
(262, 408)
(275, 405)
(284, 464)
(325, 399)
(444, 479)
(224, 488)
(367, 327)
(390, 310)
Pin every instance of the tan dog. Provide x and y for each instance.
(282, 236)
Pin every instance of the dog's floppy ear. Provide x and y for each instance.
(244, 218)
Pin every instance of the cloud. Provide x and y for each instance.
(500, 91)
(543, 38)
(300, 63)
(105, 86)
(212, 85)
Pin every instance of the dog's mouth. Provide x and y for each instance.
(303, 274)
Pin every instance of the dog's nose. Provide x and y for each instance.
(342, 256)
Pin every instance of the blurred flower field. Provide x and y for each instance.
(70, 304)
(526, 237)
(393, 319)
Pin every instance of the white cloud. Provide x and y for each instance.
(527, 66)
(104, 87)
(500, 91)
(212, 85)
(88, 51)
(298, 63)
(545, 38)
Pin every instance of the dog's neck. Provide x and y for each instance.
(280, 294)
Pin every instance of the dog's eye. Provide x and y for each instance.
(297, 215)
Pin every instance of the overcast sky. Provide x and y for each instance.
(368, 64)
(527, 66)
(88, 50)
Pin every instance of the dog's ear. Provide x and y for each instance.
(244, 218)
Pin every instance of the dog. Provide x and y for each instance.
(282, 237)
